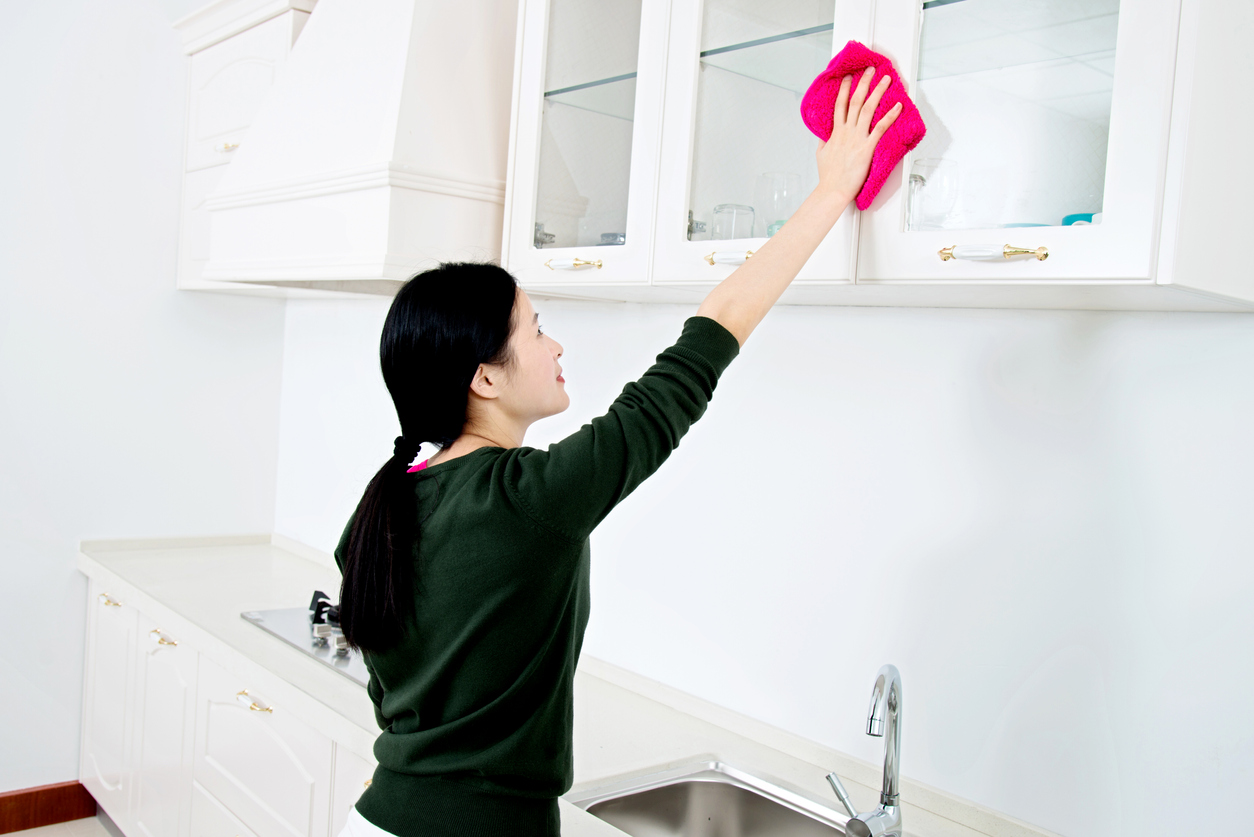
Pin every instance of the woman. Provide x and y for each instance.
(465, 578)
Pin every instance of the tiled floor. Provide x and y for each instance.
(97, 826)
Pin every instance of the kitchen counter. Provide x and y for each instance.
(624, 723)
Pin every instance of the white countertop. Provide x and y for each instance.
(624, 723)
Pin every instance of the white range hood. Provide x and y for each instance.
(380, 150)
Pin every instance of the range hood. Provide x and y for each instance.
(379, 151)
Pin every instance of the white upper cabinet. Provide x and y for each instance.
(736, 159)
(587, 109)
(1047, 128)
(662, 140)
(235, 50)
(227, 84)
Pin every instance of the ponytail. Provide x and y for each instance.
(443, 323)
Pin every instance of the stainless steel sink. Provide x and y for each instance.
(708, 799)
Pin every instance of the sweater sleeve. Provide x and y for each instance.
(573, 485)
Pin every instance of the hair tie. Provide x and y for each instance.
(406, 449)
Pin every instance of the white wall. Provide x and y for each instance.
(1041, 517)
(127, 408)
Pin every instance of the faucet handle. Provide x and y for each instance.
(841, 793)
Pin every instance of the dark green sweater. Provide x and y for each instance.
(476, 702)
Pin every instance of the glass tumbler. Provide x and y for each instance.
(732, 220)
(777, 195)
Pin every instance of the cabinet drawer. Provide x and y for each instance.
(268, 768)
(210, 818)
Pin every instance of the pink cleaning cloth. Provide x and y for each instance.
(819, 102)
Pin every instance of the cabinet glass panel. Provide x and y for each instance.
(1016, 97)
(586, 124)
(752, 156)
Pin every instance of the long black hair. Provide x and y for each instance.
(443, 323)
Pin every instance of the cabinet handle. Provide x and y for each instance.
(225, 147)
(982, 253)
(571, 264)
(108, 602)
(728, 257)
(155, 633)
(366, 783)
(243, 697)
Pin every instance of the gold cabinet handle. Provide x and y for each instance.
(366, 783)
(571, 264)
(253, 706)
(155, 633)
(225, 147)
(728, 257)
(984, 253)
(108, 602)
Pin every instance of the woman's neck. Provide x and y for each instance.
(463, 445)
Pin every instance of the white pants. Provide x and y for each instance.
(359, 826)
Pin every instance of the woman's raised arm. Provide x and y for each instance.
(741, 300)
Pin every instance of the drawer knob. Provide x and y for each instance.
(157, 637)
(253, 705)
(984, 253)
(571, 264)
(108, 602)
(728, 257)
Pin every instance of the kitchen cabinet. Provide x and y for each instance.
(175, 745)
(1047, 127)
(736, 158)
(579, 207)
(235, 51)
(657, 144)
(268, 767)
(165, 708)
(227, 83)
(108, 690)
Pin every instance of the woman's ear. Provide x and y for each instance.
(487, 382)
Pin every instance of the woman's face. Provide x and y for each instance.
(534, 387)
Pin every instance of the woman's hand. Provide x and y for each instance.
(845, 159)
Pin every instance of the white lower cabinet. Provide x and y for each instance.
(165, 723)
(266, 766)
(108, 692)
(352, 776)
(174, 745)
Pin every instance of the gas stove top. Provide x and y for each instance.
(315, 631)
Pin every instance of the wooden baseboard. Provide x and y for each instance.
(44, 805)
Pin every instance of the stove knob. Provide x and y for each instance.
(321, 632)
(340, 643)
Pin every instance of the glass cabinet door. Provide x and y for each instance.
(1046, 138)
(737, 160)
(589, 101)
(1019, 94)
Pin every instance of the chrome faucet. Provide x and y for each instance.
(884, 821)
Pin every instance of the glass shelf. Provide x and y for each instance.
(609, 96)
(786, 60)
